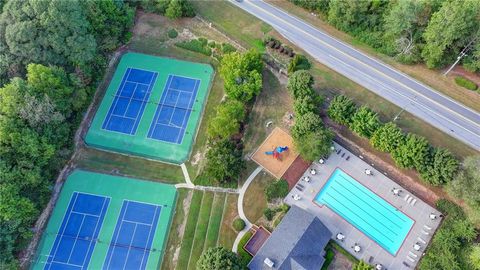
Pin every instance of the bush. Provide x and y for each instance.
(365, 122)
(172, 33)
(307, 123)
(276, 189)
(212, 44)
(203, 41)
(314, 145)
(329, 255)
(466, 83)
(244, 256)
(218, 258)
(341, 110)
(300, 84)
(299, 62)
(238, 224)
(228, 48)
(269, 213)
(195, 46)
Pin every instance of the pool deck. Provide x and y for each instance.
(380, 184)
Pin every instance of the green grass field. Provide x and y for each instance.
(138, 143)
(118, 189)
(207, 224)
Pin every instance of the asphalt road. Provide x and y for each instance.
(434, 108)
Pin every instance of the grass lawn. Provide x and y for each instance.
(202, 229)
(255, 200)
(106, 162)
(173, 239)
(240, 26)
(189, 232)
(433, 78)
(328, 81)
(227, 233)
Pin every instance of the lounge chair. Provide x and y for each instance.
(348, 158)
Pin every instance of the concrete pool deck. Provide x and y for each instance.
(380, 184)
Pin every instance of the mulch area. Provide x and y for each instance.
(276, 167)
(256, 241)
(295, 171)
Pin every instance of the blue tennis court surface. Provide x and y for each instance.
(129, 101)
(133, 236)
(365, 210)
(174, 108)
(78, 233)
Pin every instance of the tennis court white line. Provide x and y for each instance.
(96, 225)
(139, 82)
(178, 90)
(129, 246)
(148, 237)
(85, 214)
(162, 100)
(194, 96)
(146, 97)
(119, 90)
(135, 222)
(63, 231)
(118, 234)
(186, 113)
(76, 238)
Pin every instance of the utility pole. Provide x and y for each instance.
(459, 57)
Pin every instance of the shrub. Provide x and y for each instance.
(212, 44)
(238, 224)
(365, 122)
(228, 48)
(203, 41)
(441, 168)
(314, 145)
(172, 33)
(276, 189)
(387, 138)
(218, 258)
(361, 265)
(195, 46)
(341, 110)
(466, 83)
(306, 123)
(269, 213)
(412, 153)
(299, 62)
(243, 255)
(300, 84)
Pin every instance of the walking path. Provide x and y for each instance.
(242, 215)
(186, 175)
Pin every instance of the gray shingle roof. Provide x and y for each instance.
(297, 243)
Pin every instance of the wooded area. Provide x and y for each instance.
(429, 31)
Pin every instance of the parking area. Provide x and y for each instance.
(407, 256)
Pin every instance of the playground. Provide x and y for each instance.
(121, 223)
(276, 153)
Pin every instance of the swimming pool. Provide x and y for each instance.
(369, 213)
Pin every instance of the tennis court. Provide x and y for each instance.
(152, 108)
(121, 224)
(129, 101)
(174, 109)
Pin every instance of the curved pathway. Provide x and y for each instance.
(242, 215)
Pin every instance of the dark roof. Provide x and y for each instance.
(297, 243)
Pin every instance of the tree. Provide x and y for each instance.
(300, 84)
(450, 29)
(475, 257)
(276, 189)
(174, 10)
(313, 145)
(412, 153)
(299, 62)
(341, 110)
(365, 122)
(404, 25)
(224, 161)
(361, 265)
(54, 32)
(466, 184)
(242, 74)
(308, 103)
(307, 123)
(109, 22)
(387, 138)
(227, 120)
(218, 258)
(441, 169)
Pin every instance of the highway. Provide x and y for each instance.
(422, 101)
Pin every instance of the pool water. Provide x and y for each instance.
(368, 212)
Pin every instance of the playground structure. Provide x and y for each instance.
(276, 153)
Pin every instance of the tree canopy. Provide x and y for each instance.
(306, 123)
(316, 144)
(412, 153)
(441, 168)
(224, 161)
(218, 258)
(387, 138)
(242, 74)
(227, 120)
(341, 109)
(466, 184)
(365, 122)
(300, 84)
